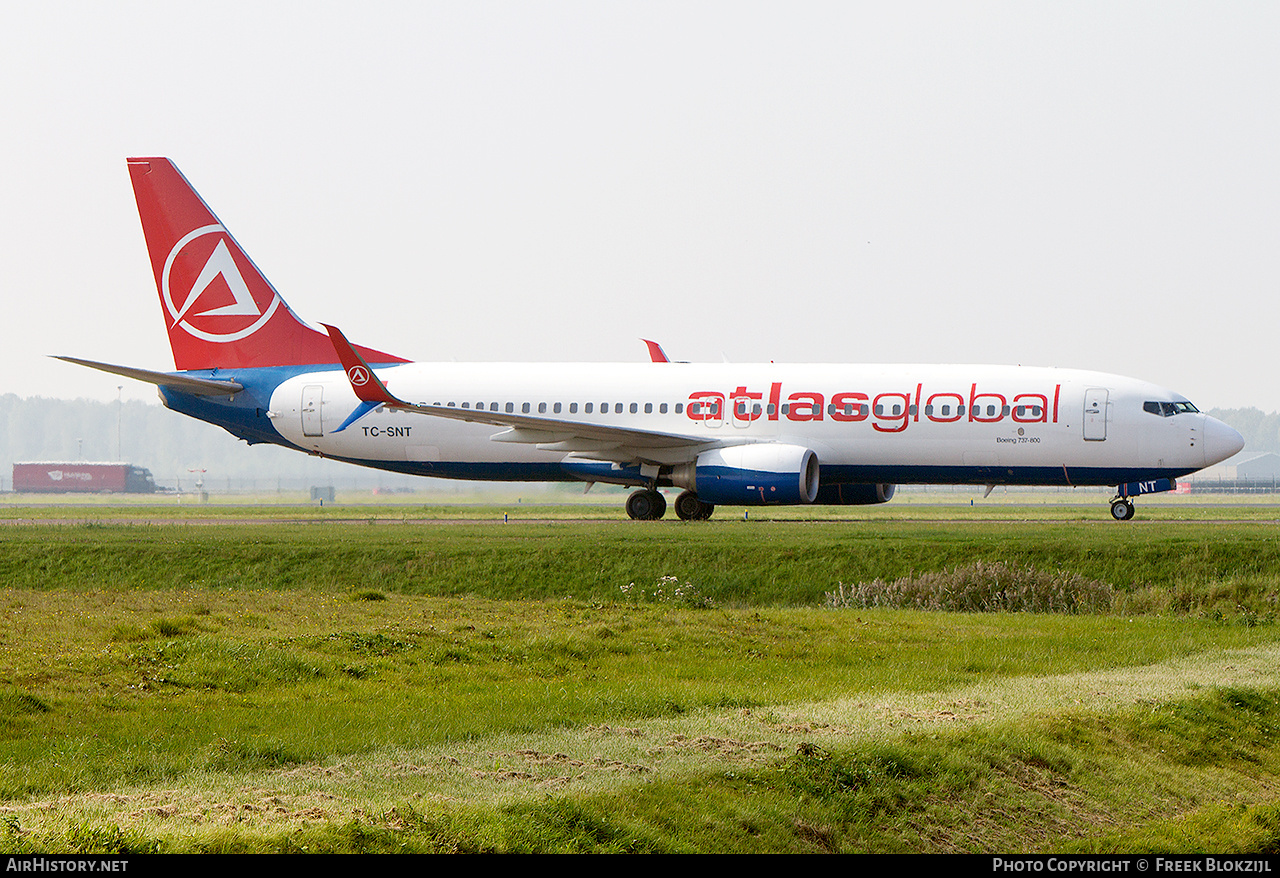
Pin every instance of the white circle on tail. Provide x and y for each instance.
(219, 263)
(358, 375)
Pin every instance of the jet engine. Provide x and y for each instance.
(752, 475)
(855, 495)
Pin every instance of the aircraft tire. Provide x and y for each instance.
(646, 506)
(1122, 509)
(690, 508)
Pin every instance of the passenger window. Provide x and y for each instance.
(586, 409)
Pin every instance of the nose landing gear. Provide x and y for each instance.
(1122, 509)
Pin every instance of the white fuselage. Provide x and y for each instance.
(900, 423)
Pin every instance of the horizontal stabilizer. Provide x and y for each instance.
(187, 383)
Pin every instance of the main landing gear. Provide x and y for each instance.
(1122, 509)
(648, 505)
(690, 508)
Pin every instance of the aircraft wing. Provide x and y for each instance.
(549, 434)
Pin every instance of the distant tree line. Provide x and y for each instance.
(149, 435)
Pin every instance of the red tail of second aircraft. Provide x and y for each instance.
(219, 309)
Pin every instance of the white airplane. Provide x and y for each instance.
(728, 434)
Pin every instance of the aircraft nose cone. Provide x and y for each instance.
(1220, 441)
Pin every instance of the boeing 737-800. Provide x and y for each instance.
(727, 434)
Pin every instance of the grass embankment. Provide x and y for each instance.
(763, 563)
(470, 687)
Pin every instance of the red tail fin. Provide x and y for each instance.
(219, 309)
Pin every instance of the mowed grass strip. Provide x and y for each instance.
(110, 688)
(606, 505)
(1163, 758)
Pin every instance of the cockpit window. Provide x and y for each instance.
(1168, 409)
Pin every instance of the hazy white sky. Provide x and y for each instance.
(1070, 184)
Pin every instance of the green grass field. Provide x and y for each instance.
(401, 679)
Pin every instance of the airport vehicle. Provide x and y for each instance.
(80, 477)
(727, 434)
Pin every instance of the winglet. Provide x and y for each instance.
(367, 386)
(656, 353)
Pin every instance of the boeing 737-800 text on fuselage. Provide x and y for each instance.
(728, 434)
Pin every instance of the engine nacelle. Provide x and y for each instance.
(855, 495)
(752, 475)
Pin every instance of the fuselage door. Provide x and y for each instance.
(708, 409)
(745, 411)
(1095, 414)
(312, 396)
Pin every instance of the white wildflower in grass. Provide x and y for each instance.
(669, 590)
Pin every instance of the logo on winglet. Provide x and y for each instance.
(358, 375)
(203, 310)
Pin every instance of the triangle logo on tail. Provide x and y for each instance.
(219, 320)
